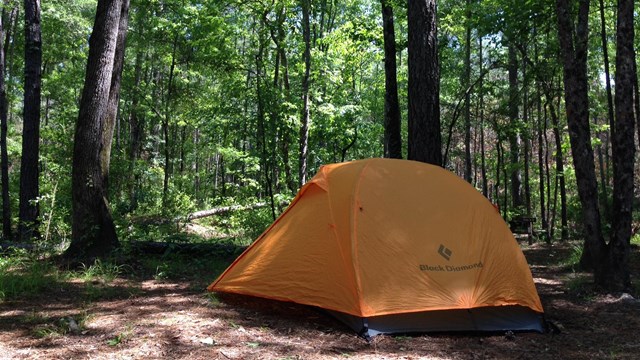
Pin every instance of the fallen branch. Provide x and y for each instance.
(220, 210)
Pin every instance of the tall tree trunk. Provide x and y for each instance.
(499, 166)
(560, 179)
(29, 173)
(93, 232)
(547, 172)
(483, 168)
(9, 57)
(392, 120)
(262, 128)
(304, 128)
(541, 162)
(636, 98)
(136, 126)
(111, 113)
(527, 142)
(514, 132)
(541, 171)
(573, 50)
(603, 174)
(425, 139)
(196, 165)
(165, 123)
(4, 104)
(466, 81)
(611, 119)
(623, 146)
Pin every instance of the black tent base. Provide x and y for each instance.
(484, 319)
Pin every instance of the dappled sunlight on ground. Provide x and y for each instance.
(149, 319)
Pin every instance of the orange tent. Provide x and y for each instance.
(392, 246)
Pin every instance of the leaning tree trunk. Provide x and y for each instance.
(29, 174)
(392, 121)
(623, 146)
(574, 60)
(425, 139)
(93, 231)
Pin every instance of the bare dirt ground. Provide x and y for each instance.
(150, 319)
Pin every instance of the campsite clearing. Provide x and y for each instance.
(145, 318)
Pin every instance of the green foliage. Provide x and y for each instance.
(573, 260)
(101, 271)
(196, 71)
(22, 275)
(121, 337)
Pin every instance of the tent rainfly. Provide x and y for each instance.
(392, 246)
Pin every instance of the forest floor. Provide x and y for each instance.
(167, 314)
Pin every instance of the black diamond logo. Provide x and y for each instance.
(444, 252)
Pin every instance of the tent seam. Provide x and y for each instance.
(354, 235)
(336, 237)
(264, 233)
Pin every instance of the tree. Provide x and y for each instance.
(93, 231)
(424, 138)
(4, 104)
(109, 120)
(304, 128)
(392, 120)
(514, 131)
(466, 81)
(29, 173)
(573, 48)
(623, 146)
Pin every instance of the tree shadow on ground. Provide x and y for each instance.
(173, 318)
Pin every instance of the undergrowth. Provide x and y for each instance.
(23, 275)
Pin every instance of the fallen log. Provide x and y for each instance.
(220, 210)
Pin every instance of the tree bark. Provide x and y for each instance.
(136, 126)
(623, 146)
(4, 105)
(262, 128)
(93, 231)
(611, 118)
(483, 168)
(604, 201)
(304, 128)
(29, 173)
(573, 50)
(466, 81)
(110, 115)
(165, 123)
(424, 138)
(636, 98)
(527, 142)
(514, 131)
(560, 179)
(541, 163)
(392, 119)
